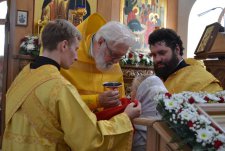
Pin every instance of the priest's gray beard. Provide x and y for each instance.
(101, 64)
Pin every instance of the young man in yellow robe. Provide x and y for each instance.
(44, 111)
(178, 74)
(101, 49)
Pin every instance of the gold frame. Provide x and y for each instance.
(37, 12)
(208, 38)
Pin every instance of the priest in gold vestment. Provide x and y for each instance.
(101, 49)
(44, 111)
(178, 74)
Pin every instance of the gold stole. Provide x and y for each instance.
(42, 120)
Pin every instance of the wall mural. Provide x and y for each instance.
(143, 17)
(72, 10)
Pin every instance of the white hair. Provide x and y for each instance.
(116, 33)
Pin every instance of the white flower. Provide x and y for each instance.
(186, 115)
(213, 97)
(204, 135)
(30, 47)
(220, 93)
(180, 109)
(22, 44)
(222, 148)
(221, 137)
(203, 119)
(170, 104)
(198, 99)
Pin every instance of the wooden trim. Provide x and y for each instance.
(146, 121)
(2, 21)
(213, 108)
(26, 57)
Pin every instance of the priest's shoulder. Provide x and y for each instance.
(91, 24)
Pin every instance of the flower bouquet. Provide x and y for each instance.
(190, 125)
(135, 58)
(29, 46)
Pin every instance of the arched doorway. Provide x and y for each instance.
(197, 23)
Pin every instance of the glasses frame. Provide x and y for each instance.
(111, 55)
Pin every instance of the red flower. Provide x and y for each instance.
(190, 124)
(130, 55)
(168, 95)
(206, 98)
(23, 39)
(191, 100)
(180, 110)
(221, 100)
(141, 56)
(217, 144)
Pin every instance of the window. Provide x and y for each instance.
(197, 24)
(3, 8)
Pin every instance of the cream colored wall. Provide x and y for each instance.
(17, 33)
(172, 13)
(184, 8)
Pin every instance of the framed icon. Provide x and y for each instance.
(22, 18)
(143, 17)
(208, 38)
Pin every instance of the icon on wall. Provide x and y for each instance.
(143, 17)
(46, 10)
(22, 18)
(208, 37)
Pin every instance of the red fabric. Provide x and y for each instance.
(106, 114)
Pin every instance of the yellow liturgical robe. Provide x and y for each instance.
(44, 112)
(192, 78)
(83, 73)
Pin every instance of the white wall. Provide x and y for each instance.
(184, 8)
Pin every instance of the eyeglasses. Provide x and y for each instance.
(109, 50)
(112, 56)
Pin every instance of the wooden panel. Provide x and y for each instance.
(217, 68)
(213, 108)
(159, 135)
(172, 14)
(130, 72)
(16, 34)
(166, 135)
(109, 9)
(115, 12)
(2, 21)
(105, 8)
(219, 43)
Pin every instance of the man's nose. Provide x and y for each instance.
(115, 61)
(75, 57)
(157, 59)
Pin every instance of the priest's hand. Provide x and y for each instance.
(133, 110)
(109, 99)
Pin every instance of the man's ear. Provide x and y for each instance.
(100, 41)
(63, 45)
(177, 49)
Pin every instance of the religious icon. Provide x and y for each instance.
(22, 18)
(143, 17)
(208, 38)
(46, 10)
